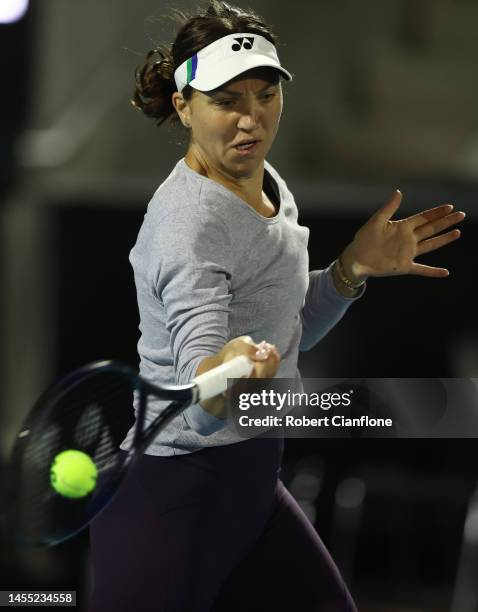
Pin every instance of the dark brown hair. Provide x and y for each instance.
(155, 77)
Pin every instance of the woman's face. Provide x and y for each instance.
(247, 107)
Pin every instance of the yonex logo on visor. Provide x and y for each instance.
(237, 46)
(226, 58)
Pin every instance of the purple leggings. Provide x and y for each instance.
(211, 531)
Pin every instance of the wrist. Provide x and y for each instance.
(341, 287)
(350, 269)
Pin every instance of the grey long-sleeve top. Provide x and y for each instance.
(208, 268)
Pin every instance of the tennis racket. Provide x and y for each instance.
(86, 411)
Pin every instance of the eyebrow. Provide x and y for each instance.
(238, 94)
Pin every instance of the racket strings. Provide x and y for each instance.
(92, 416)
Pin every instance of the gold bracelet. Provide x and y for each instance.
(346, 281)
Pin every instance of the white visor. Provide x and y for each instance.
(224, 59)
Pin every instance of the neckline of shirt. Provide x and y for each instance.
(243, 203)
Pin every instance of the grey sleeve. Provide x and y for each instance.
(323, 307)
(193, 283)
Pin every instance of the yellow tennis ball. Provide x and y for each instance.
(73, 474)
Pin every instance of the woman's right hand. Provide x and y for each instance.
(266, 364)
(266, 361)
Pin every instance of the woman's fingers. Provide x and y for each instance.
(266, 361)
(432, 214)
(263, 350)
(439, 241)
(386, 212)
(430, 271)
(432, 228)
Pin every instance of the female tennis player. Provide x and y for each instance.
(221, 269)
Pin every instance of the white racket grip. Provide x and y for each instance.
(214, 381)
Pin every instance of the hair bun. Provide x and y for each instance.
(154, 84)
(165, 68)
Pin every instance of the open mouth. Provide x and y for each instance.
(246, 148)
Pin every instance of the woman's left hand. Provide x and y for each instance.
(383, 247)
